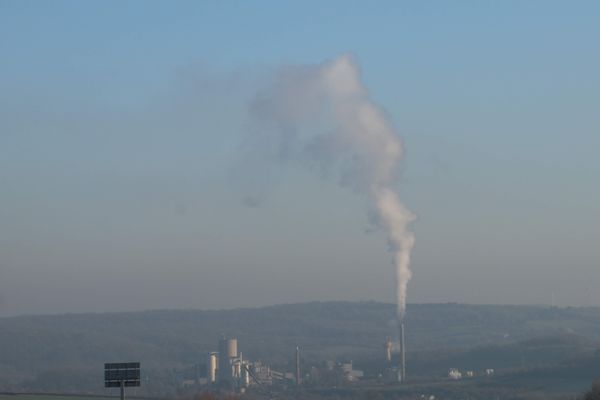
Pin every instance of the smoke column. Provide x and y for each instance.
(322, 115)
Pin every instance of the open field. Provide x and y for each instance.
(64, 396)
(533, 348)
(47, 396)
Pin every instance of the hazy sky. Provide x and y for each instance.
(121, 180)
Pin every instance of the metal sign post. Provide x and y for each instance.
(122, 375)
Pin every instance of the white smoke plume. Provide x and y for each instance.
(322, 115)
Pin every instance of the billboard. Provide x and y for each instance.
(127, 373)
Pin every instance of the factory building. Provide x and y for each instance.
(227, 369)
(454, 373)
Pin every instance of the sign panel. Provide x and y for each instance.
(127, 373)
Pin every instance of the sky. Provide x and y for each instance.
(122, 180)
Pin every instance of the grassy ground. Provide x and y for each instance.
(50, 396)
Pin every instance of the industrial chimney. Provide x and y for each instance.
(298, 377)
(402, 366)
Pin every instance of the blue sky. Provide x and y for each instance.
(120, 124)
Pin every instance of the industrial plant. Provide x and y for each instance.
(228, 370)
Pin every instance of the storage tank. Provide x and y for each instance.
(212, 368)
(237, 369)
(227, 352)
(245, 381)
(232, 348)
(388, 350)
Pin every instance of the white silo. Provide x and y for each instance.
(245, 374)
(212, 368)
(227, 354)
(232, 348)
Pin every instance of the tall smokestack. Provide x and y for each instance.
(298, 377)
(322, 116)
(402, 366)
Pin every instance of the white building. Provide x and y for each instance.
(454, 373)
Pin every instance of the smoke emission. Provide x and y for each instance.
(322, 116)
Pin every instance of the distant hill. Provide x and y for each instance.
(66, 352)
